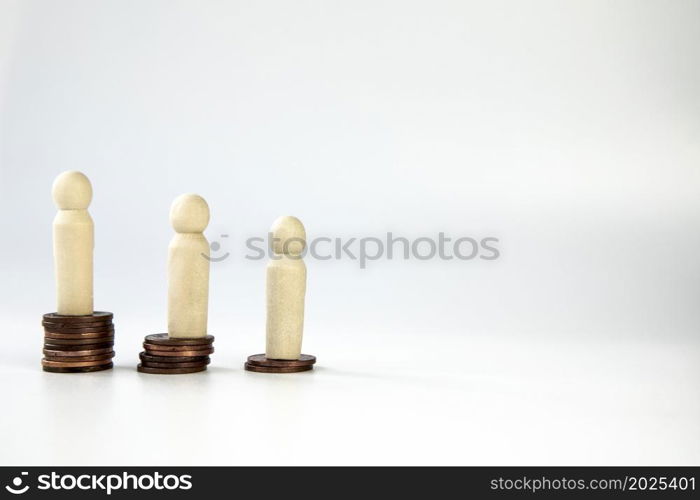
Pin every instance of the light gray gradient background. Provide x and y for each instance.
(569, 130)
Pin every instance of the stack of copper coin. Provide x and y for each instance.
(78, 344)
(260, 363)
(164, 355)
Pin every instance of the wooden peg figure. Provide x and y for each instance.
(286, 289)
(73, 244)
(188, 268)
(186, 347)
(75, 327)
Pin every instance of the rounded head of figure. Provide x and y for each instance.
(189, 213)
(288, 236)
(72, 191)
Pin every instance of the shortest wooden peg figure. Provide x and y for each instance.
(286, 288)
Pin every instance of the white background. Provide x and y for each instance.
(569, 130)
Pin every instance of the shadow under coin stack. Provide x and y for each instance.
(164, 355)
(78, 344)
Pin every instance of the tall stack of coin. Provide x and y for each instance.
(78, 344)
(164, 355)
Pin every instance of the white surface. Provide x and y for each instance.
(512, 401)
(568, 130)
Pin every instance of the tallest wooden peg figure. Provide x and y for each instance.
(76, 338)
(73, 244)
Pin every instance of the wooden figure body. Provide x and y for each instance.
(188, 268)
(286, 289)
(73, 244)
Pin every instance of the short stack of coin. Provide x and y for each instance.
(164, 355)
(78, 344)
(260, 363)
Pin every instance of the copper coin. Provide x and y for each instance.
(175, 348)
(82, 329)
(84, 369)
(72, 364)
(172, 359)
(78, 352)
(261, 360)
(170, 371)
(188, 364)
(70, 327)
(100, 329)
(78, 336)
(277, 369)
(100, 357)
(77, 324)
(94, 317)
(163, 339)
(73, 342)
(206, 352)
(68, 350)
